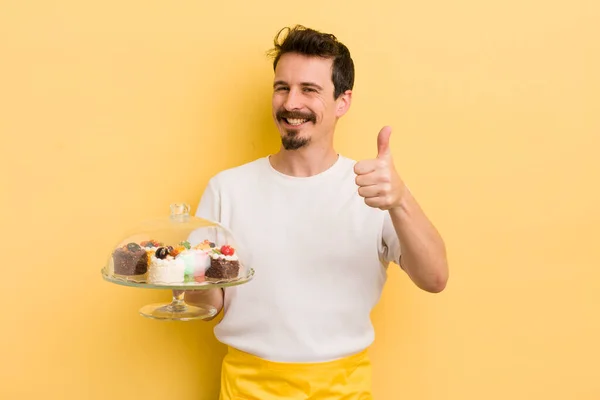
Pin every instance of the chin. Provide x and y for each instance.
(294, 137)
(291, 140)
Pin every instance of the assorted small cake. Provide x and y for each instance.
(150, 246)
(130, 260)
(224, 263)
(166, 267)
(196, 262)
(182, 263)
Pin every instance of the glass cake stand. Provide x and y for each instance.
(179, 253)
(178, 309)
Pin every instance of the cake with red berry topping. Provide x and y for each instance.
(130, 260)
(224, 263)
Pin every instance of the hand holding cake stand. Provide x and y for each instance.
(178, 253)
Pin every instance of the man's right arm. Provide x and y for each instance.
(209, 208)
(212, 297)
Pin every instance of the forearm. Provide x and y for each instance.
(213, 297)
(423, 250)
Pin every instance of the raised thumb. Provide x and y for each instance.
(383, 142)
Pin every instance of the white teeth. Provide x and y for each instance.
(296, 121)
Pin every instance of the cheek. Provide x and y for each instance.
(275, 102)
(320, 108)
(278, 98)
(328, 113)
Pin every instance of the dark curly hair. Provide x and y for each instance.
(310, 42)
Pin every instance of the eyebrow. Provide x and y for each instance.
(305, 84)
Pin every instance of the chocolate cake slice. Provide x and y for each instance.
(130, 260)
(221, 268)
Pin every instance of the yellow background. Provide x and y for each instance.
(110, 111)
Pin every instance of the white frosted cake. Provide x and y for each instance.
(164, 268)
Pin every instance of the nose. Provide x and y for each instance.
(292, 100)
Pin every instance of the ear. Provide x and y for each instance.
(342, 103)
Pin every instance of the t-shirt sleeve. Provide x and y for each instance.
(209, 208)
(390, 247)
(210, 203)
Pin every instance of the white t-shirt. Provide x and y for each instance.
(319, 253)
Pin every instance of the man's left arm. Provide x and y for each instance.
(423, 250)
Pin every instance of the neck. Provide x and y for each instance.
(304, 162)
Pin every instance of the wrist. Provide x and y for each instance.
(402, 205)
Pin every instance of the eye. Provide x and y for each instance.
(307, 89)
(281, 88)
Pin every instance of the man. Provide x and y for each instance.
(320, 231)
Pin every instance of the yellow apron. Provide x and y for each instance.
(247, 377)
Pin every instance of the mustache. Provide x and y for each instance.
(281, 114)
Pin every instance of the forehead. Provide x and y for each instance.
(295, 68)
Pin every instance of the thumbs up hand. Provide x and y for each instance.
(378, 182)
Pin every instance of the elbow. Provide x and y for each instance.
(431, 278)
(438, 282)
(436, 286)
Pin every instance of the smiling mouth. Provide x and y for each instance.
(295, 118)
(294, 121)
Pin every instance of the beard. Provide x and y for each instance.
(290, 140)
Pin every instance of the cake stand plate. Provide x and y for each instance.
(178, 309)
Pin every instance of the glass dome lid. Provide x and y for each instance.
(178, 250)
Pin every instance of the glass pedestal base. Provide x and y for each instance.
(178, 310)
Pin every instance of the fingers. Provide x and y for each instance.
(375, 187)
(373, 191)
(373, 178)
(376, 179)
(380, 202)
(368, 166)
